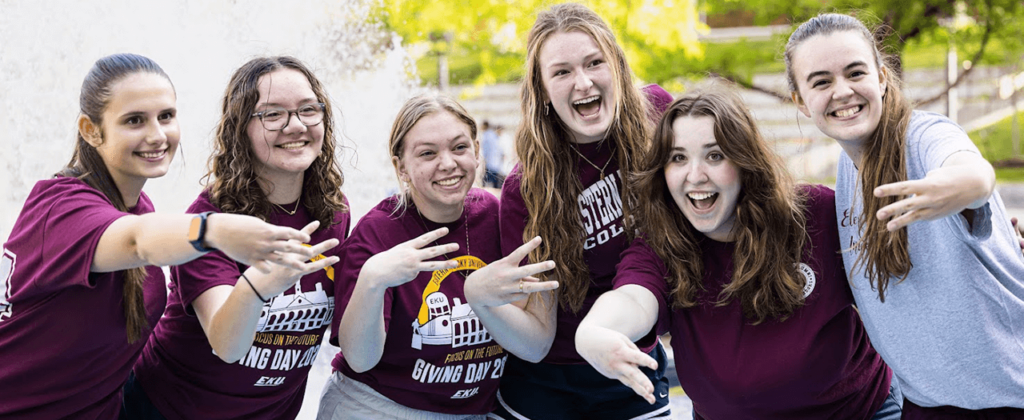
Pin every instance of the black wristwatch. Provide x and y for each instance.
(197, 232)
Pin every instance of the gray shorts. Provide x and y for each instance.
(344, 398)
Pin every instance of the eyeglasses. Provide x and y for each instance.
(274, 119)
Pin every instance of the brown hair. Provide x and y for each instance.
(87, 165)
(770, 227)
(411, 113)
(883, 254)
(235, 186)
(549, 182)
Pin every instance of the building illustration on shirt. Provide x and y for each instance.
(6, 272)
(301, 311)
(442, 323)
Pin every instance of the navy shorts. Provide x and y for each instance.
(136, 404)
(538, 391)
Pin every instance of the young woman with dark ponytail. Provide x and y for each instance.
(80, 289)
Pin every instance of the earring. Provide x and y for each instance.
(546, 108)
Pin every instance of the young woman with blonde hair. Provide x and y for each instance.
(411, 347)
(931, 255)
(584, 126)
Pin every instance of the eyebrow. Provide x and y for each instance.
(442, 142)
(586, 58)
(143, 113)
(705, 146)
(305, 101)
(825, 72)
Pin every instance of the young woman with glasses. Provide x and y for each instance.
(235, 342)
(79, 286)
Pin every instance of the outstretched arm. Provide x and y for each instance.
(500, 296)
(963, 183)
(361, 333)
(162, 239)
(605, 336)
(229, 314)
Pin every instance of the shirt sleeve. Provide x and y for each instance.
(362, 244)
(938, 140)
(72, 218)
(512, 214)
(641, 266)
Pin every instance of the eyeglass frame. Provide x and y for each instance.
(288, 119)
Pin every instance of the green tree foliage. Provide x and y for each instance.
(488, 37)
(900, 22)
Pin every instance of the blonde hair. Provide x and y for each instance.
(549, 182)
(411, 113)
(883, 254)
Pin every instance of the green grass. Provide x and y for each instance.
(996, 144)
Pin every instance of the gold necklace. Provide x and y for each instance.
(291, 212)
(601, 169)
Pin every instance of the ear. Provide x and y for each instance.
(799, 102)
(89, 131)
(883, 79)
(400, 171)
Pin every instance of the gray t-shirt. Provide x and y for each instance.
(953, 331)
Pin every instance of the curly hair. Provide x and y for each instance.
(770, 227)
(550, 183)
(884, 255)
(87, 164)
(235, 186)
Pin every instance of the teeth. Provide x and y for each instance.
(293, 145)
(586, 100)
(448, 182)
(701, 196)
(151, 155)
(847, 112)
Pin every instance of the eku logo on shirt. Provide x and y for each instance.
(808, 276)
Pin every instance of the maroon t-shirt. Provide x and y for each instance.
(185, 379)
(817, 364)
(64, 351)
(604, 239)
(437, 356)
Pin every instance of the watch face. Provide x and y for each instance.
(193, 229)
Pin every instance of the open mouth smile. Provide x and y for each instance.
(702, 200)
(293, 145)
(847, 112)
(588, 106)
(152, 155)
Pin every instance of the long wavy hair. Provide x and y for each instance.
(549, 181)
(770, 227)
(233, 181)
(411, 113)
(884, 255)
(87, 165)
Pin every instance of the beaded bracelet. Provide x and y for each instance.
(258, 295)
